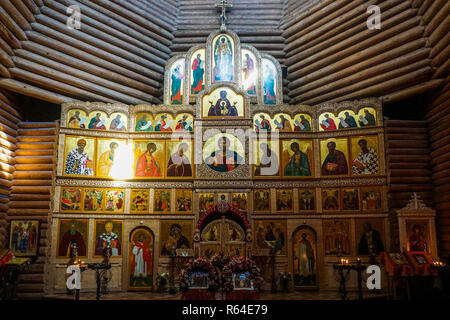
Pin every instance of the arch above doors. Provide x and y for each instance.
(222, 229)
(222, 236)
(223, 210)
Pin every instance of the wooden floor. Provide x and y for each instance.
(307, 295)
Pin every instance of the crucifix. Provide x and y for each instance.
(223, 17)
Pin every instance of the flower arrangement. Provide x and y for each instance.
(219, 260)
(285, 278)
(241, 265)
(162, 280)
(199, 264)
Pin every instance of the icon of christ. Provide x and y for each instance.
(224, 160)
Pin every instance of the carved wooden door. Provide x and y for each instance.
(222, 235)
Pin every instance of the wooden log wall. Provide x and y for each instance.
(121, 50)
(256, 22)
(9, 119)
(119, 53)
(439, 133)
(408, 164)
(436, 20)
(332, 56)
(35, 161)
(295, 10)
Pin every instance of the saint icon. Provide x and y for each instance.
(268, 165)
(117, 124)
(143, 124)
(335, 163)
(367, 120)
(302, 125)
(141, 259)
(176, 240)
(367, 160)
(198, 70)
(370, 242)
(97, 123)
(263, 125)
(417, 240)
(76, 121)
(249, 75)
(179, 164)
(223, 60)
(78, 162)
(106, 160)
(328, 123)
(305, 256)
(298, 165)
(269, 83)
(146, 165)
(108, 240)
(347, 122)
(176, 76)
(70, 239)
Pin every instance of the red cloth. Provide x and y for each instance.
(177, 97)
(6, 258)
(242, 295)
(195, 64)
(394, 268)
(163, 124)
(199, 86)
(331, 127)
(179, 125)
(421, 269)
(198, 294)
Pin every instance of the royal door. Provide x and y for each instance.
(222, 235)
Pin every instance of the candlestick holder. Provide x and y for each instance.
(83, 267)
(173, 254)
(100, 271)
(343, 268)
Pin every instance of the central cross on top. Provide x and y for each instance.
(223, 17)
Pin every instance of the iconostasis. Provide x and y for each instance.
(300, 172)
(310, 179)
